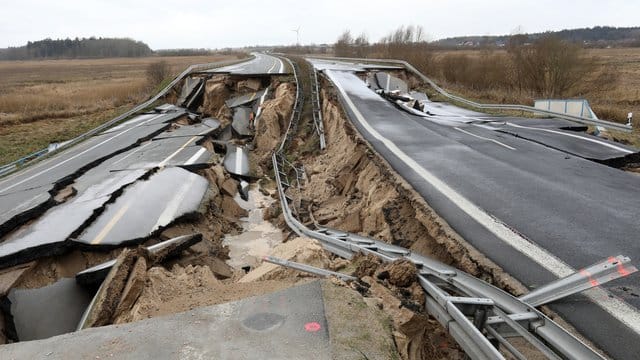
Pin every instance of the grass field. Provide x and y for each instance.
(42, 102)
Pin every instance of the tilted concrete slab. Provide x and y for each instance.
(289, 324)
(388, 83)
(48, 235)
(236, 160)
(241, 120)
(189, 87)
(146, 207)
(245, 99)
(48, 311)
(163, 249)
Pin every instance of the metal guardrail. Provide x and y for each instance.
(8, 168)
(441, 91)
(317, 110)
(479, 316)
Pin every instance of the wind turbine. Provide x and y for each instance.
(297, 31)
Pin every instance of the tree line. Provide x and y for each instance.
(77, 48)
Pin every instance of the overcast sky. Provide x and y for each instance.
(231, 23)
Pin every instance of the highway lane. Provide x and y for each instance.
(261, 64)
(536, 211)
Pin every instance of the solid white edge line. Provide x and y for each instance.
(484, 138)
(617, 308)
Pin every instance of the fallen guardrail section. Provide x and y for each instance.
(530, 109)
(479, 316)
(8, 168)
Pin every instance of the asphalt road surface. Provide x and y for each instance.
(260, 65)
(537, 211)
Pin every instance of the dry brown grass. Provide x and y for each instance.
(54, 100)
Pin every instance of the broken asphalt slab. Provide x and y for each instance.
(242, 120)
(146, 207)
(48, 235)
(62, 167)
(18, 207)
(236, 160)
(189, 89)
(48, 311)
(245, 99)
(159, 251)
(390, 83)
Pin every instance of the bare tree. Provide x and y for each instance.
(549, 67)
(343, 44)
(157, 72)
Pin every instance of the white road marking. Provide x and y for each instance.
(255, 122)
(164, 162)
(281, 69)
(238, 159)
(195, 156)
(132, 153)
(484, 138)
(595, 141)
(617, 308)
(71, 158)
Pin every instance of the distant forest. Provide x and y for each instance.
(77, 48)
(598, 36)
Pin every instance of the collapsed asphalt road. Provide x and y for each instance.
(538, 211)
(129, 183)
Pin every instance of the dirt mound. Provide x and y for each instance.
(274, 120)
(185, 288)
(302, 250)
(400, 273)
(365, 264)
(217, 90)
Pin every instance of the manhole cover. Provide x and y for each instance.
(263, 321)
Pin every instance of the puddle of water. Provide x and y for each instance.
(258, 236)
